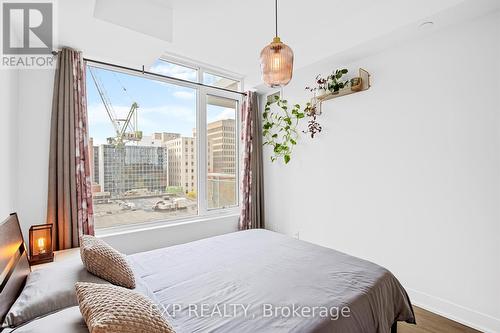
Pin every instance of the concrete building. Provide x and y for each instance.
(93, 162)
(182, 170)
(167, 160)
(127, 168)
(181, 158)
(222, 164)
(165, 136)
(222, 144)
(157, 139)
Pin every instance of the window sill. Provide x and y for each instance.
(133, 228)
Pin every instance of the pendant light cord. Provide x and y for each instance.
(276, 16)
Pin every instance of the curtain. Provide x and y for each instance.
(252, 186)
(69, 206)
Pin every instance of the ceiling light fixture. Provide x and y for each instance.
(276, 60)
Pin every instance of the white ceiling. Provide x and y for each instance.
(125, 13)
(230, 34)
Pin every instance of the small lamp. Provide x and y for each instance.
(41, 244)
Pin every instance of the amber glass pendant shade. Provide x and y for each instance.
(276, 62)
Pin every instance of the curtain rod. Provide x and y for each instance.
(142, 71)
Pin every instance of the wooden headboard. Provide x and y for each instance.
(14, 265)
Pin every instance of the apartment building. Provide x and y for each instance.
(222, 148)
(182, 163)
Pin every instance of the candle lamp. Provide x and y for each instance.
(41, 244)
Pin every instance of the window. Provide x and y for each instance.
(219, 81)
(221, 176)
(143, 136)
(178, 71)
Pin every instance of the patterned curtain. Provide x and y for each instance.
(69, 206)
(252, 186)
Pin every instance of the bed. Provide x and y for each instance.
(258, 281)
(14, 265)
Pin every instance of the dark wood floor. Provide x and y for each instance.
(428, 322)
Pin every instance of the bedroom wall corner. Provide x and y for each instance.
(35, 103)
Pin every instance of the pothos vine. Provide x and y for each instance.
(280, 123)
(280, 128)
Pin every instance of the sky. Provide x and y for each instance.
(163, 107)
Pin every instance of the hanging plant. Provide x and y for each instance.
(321, 86)
(313, 127)
(280, 128)
(280, 124)
(332, 83)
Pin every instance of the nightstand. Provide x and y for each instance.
(58, 257)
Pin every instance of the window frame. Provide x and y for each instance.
(204, 68)
(224, 94)
(218, 75)
(201, 139)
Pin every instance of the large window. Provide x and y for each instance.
(161, 149)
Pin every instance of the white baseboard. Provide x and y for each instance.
(458, 313)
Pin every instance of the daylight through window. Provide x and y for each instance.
(144, 147)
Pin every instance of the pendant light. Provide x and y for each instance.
(276, 60)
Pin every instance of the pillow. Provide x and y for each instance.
(68, 320)
(49, 289)
(112, 309)
(102, 260)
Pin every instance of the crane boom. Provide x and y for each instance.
(105, 100)
(120, 125)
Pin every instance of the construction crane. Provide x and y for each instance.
(126, 129)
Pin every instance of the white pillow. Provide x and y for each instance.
(48, 290)
(68, 320)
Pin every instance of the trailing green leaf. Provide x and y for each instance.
(280, 128)
(280, 124)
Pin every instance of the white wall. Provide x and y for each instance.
(8, 140)
(35, 102)
(407, 174)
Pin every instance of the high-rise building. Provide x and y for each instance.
(132, 168)
(221, 178)
(182, 163)
(222, 146)
(181, 152)
(164, 160)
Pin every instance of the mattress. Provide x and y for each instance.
(262, 281)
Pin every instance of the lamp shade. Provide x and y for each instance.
(41, 244)
(276, 62)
